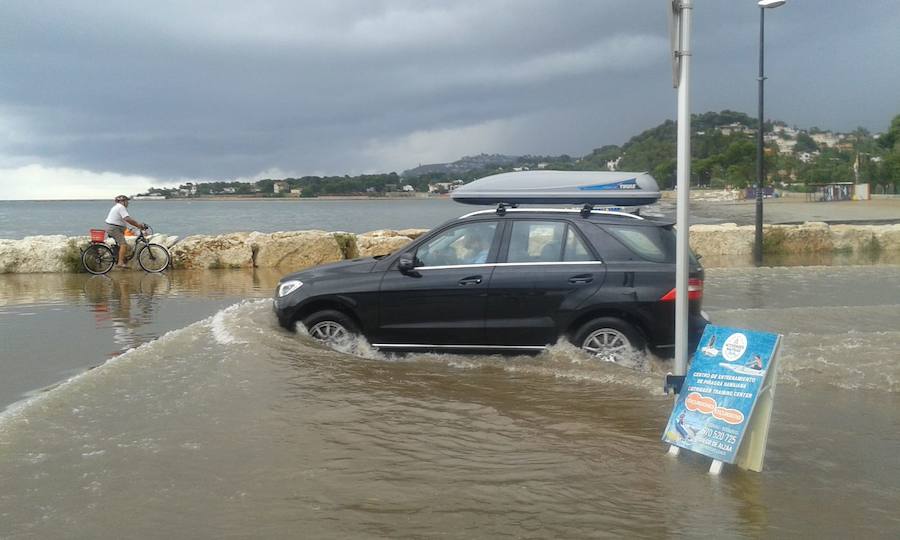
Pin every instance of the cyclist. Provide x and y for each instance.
(116, 222)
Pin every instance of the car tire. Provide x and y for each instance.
(609, 339)
(330, 327)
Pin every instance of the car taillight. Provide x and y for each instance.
(695, 291)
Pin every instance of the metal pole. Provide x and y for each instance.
(760, 165)
(682, 246)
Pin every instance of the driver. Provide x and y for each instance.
(477, 248)
(116, 221)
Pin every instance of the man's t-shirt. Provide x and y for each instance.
(117, 215)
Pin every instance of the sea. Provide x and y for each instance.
(184, 217)
(174, 406)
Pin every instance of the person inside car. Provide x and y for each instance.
(477, 247)
(116, 221)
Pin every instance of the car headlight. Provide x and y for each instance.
(288, 287)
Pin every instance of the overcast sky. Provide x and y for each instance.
(98, 98)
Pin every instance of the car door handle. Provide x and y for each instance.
(471, 280)
(581, 279)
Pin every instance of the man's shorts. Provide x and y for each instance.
(117, 232)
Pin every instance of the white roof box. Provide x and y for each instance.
(561, 187)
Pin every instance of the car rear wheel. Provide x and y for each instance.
(330, 327)
(609, 339)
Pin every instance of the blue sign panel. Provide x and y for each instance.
(720, 391)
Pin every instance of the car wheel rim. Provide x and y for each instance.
(329, 332)
(608, 344)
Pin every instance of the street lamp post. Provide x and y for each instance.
(760, 165)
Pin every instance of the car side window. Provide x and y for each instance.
(575, 248)
(649, 243)
(463, 244)
(536, 241)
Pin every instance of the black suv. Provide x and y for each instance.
(506, 279)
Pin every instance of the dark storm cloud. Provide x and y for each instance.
(214, 89)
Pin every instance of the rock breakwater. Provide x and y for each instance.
(720, 245)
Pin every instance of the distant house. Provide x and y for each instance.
(408, 188)
(785, 146)
(297, 191)
(826, 138)
(441, 187)
(280, 187)
(735, 127)
(229, 190)
(806, 157)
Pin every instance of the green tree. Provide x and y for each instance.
(805, 143)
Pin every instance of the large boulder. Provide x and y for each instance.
(888, 237)
(810, 237)
(724, 239)
(222, 251)
(295, 250)
(382, 242)
(52, 253)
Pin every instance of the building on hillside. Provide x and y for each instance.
(806, 157)
(408, 188)
(280, 187)
(826, 138)
(785, 130)
(444, 187)
(735, 127)
(785, 146)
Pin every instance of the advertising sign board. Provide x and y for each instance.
(727, 397)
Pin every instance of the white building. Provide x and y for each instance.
(826, 139)
(735, 127)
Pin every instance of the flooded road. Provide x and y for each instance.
(230, 426)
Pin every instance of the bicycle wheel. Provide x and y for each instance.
(154, 258)
(98, 259)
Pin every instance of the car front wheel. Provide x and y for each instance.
(609, 339)
(330, 327)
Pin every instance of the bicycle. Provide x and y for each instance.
(99, 258)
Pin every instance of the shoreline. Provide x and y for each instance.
(720, 245)
(247, 198)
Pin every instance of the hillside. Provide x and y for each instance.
(723, 150)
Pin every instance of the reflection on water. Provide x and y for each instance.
(834, 258)
(56, 325)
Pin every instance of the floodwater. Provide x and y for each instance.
(232, 427)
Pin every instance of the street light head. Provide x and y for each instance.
(771, 4)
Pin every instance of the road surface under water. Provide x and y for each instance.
(232, 427)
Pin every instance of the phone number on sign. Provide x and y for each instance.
(714, 436)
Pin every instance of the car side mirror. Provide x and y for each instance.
(407, 263)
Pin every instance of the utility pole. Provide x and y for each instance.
(680, 28)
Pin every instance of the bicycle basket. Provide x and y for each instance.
(98, 235)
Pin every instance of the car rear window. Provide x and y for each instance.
(655, 244)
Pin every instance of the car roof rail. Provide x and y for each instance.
(503, 209)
